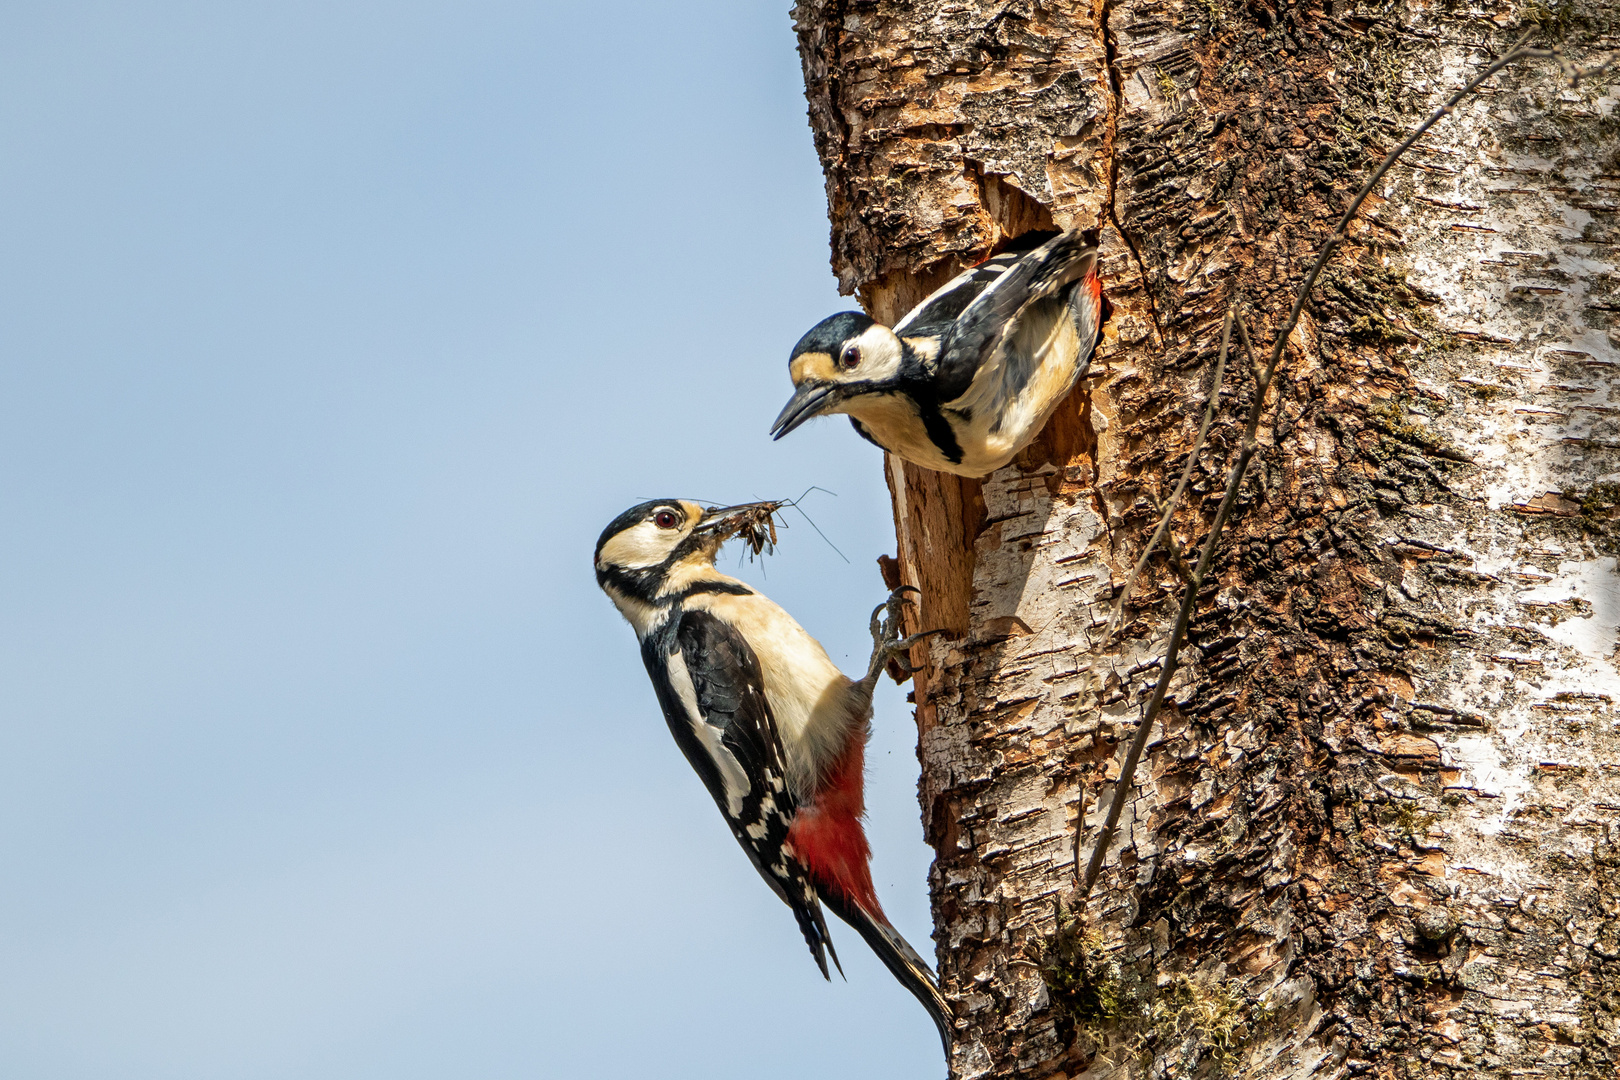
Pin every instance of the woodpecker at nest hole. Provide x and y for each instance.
(971, 375)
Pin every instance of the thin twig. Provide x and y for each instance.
(1573, 73)
(1341, 230)
(1186, 474)
(1248, 350)
(1254, 366)
(1178, 562)
(1234, 481)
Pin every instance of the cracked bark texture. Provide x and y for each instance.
(1372, 835)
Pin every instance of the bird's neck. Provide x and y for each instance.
(696, 576)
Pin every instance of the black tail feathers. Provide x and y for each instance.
(813, 925)
(901, 960)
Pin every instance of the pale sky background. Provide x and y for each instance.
(331, 335)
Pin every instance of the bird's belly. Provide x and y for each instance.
(998, 417)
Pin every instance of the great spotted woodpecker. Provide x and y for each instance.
(776, 732)
(970, 376)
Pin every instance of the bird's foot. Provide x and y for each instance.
(888, 645)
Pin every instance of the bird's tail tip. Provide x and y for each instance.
(903, 962)
(814, 928)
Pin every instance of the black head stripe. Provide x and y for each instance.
(940, 434)
(692, 542)
(860, 429)
(830, 334)
(639, 584)
(729, 588)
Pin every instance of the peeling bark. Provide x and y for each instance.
(1372, 833)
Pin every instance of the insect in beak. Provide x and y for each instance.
(754, 522)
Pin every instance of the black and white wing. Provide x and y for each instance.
(709, 684)
(944, 304)
(993, 312)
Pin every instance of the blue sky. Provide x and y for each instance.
(330, 337)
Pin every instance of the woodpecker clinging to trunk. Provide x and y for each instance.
(969, 377)
(777, 733)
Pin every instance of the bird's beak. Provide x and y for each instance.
(728, 519)
(811, 399)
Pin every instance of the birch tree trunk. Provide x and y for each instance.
(1372, 832)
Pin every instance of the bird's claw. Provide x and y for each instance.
(887, 642)
(883, 629)
(905, 644)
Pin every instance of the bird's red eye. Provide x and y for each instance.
(851, 357)
(665, 519)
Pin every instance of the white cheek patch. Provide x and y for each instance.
(881, 354)
(732, 776)
(643, 546)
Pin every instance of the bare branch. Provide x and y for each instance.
(1248, 350)
(1186, 474)
(1575, 75)
(1341, 230)
(1178, 635)
(1167, 668)
(1177, 561)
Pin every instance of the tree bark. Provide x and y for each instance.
(1371, 834)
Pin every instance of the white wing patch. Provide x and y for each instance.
(998, 266)
(732, 774)
(767, 810)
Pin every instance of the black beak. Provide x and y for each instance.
(725, 518)
(808, 401)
